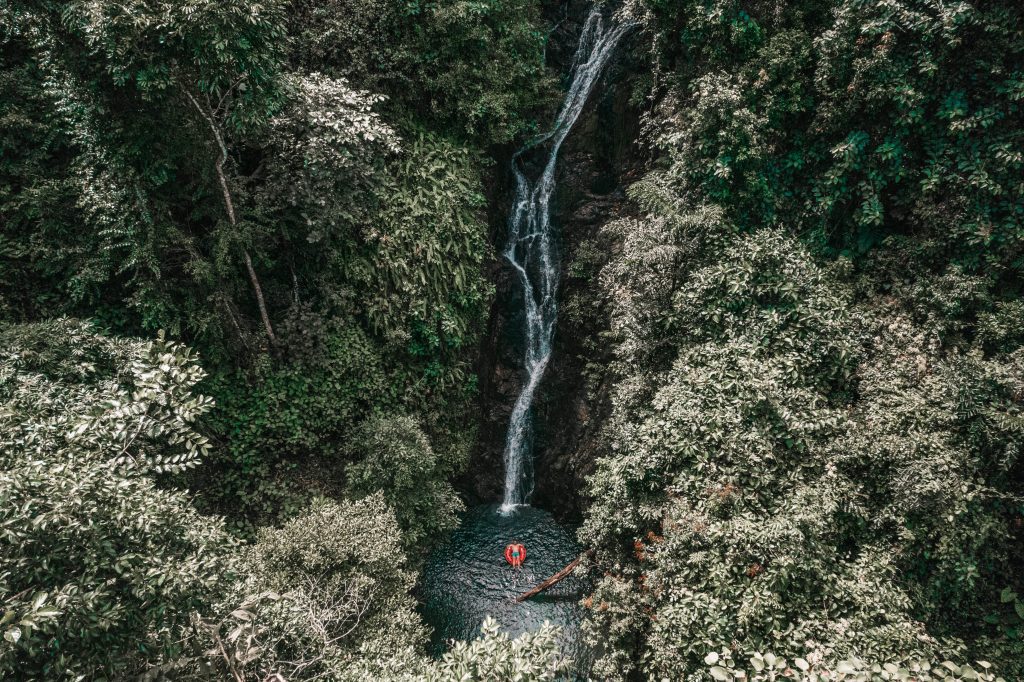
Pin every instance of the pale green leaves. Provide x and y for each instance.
(531, 657)
(767, 667)
(94, 550)
(393, 455)
(140, 418)
(33, 614)
(719, 673)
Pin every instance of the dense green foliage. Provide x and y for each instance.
(850, 120)
(179, 168)
(330, 588)
(101, 567)
(788, 455)
(297, 190)
(109, 572)
(811, 354)
(814, 446)
(474, 68)
(398, 461)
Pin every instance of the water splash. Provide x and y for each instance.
(532, 251)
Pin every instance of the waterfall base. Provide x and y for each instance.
(467, 579)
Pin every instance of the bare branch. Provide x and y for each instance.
(230, 207)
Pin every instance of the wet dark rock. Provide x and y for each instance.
(597, 160)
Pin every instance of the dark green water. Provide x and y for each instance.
(467, 579)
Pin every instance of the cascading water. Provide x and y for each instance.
(531, 248)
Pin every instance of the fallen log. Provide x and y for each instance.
(561, 575)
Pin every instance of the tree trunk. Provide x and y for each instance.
(229, 205)
(259, 297)
(557, 577)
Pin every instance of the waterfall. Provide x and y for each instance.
(532, 251)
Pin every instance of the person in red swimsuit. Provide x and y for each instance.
(515, 554)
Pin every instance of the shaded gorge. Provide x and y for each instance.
(467, 579)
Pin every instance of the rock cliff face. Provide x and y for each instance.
(596, 158)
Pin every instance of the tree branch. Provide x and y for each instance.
(230, 207)
(561, 575)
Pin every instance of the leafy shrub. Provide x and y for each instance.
(395, 458)
(123, 402)
(802, 474)
(284, 419)
(424, 275)
(100, 573)
(327, 590)
(101, 569)
(531, 657)
(325, 157)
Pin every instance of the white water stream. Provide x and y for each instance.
(531, 248)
